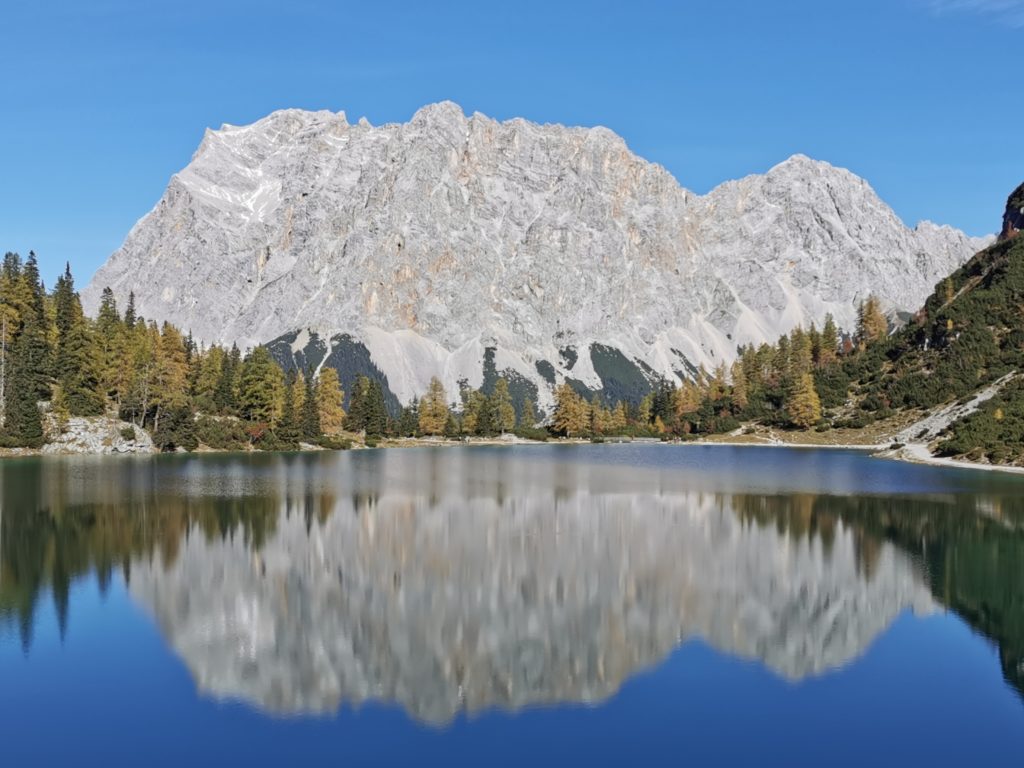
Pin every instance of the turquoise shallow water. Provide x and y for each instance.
(601, 605)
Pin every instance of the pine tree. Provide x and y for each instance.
(620, 418)
(329, 400)
(829, 346)
(287, 429)
(473, 407)
(260, 388)
(309, 419)
(572, 415)
(80, 383)
(740, 390)
(359, 405)
(22, 423)
(110, 346)
(129, 311)
(433, 409)
(409, 421)
(76, 357)
(801, 357)
(527, 414)
(500, 409)
(376, 411)
(871, 322)
(803, 405)
(599, 416)
(35, 348)
(171, 375)
(226, 395)
(210, 365)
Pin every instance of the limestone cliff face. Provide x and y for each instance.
(433, 241)
(455, 596)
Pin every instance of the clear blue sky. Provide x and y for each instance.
(101, 101)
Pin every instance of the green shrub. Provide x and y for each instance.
(334, 443)
(128, 433)
(222, 434)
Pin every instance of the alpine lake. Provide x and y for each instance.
(510, 605)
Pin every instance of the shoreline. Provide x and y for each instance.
(911, 453)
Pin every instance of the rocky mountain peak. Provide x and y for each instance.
(448, 241)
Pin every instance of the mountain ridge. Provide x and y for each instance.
(432, 241)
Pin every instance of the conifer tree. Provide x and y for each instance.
(433, 409)
(620, 418)
(35, 345)
(287, 429)
(600, 418)
(260, 388)
(80, 383)
(359, 404)
(110, 346)
(23, 425)
(409, 420)
(572, 415)
(740, 391)
(129, 311)
(309, 415)
(329, 400)
(171, 373)
(473, 407)
(803, 405)
(500, 409)
(226, 395)
(829, 345)
(209, 366)
(376, 411)
(527, 414)
(871, 322)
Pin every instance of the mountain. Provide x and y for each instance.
(451, 246)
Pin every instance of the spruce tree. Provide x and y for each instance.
(803, 406)
(287, 430)
(572, 415)
(110, 344)
(260, 388)
(310, 413)
(23, 425)
(433, 409)
(359, 404)
(224, 397)
(329, 400)
(501, 411)
(527, 414)
(129, 311)
(35, 353)
(410, 420)
(376, 410)
(80, 383)
(829, 347)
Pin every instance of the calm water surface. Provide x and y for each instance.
(540, 605)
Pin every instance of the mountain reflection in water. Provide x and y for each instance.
(455, 580)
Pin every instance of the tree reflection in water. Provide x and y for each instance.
(454, 580)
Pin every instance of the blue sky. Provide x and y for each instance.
(102, 101)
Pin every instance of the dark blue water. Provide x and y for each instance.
(601, 605)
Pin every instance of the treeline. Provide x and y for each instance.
(790, 384)
(151, 375)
